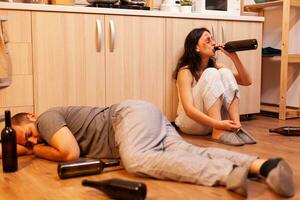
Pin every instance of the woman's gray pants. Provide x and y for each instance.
(150, 146)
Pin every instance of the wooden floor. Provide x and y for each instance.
(37, 179)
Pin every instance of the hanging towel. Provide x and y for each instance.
(5, 59)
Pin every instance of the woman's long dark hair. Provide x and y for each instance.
(191, 57)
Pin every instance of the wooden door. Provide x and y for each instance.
(135, 59)
(233, 30)
(69, 67)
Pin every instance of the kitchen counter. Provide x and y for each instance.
(93, 10)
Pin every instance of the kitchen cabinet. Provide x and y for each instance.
(135, 65)
(19, 95)
(235, 30)
(177, 30)
(69, 64)
(87, 59)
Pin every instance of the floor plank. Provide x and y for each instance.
(37, 179)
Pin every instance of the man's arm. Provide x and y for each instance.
(62, 147)
(21, 150)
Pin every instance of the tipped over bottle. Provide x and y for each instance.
(286, 130)
(9, 146)
(239, 45)
(119, 189)
(83, 168)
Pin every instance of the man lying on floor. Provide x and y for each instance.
(147, 144)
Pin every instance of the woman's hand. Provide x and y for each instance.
(241, 73)
(227, 125)
(231, 55)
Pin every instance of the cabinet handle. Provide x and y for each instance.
(213, 32)
(112, 35)
(99, 35)
(223, 35)
(3, 18)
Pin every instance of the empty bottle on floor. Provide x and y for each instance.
(83, 168)
(286, 130)
(119, 189)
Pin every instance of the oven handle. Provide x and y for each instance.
(99, 35)
(112, 35)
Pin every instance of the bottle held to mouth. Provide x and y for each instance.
(239, 45)
(83, 168)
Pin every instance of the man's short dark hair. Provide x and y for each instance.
(20, 118)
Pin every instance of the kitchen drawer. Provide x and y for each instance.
(18, 25)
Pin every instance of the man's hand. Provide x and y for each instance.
(36, 149)
(21, 150)
(62, 147)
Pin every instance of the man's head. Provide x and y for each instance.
(26, 131)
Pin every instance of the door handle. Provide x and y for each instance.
(223, 35)
(3, 18)
(112, 35)
(213, 32)
(99, 35)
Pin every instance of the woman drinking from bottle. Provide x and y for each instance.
(208, 91)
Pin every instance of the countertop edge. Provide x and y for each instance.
(152, 13)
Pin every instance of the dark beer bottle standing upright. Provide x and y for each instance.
(9, 146)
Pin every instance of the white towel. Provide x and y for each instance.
(5, 59)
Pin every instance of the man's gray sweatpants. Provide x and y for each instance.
(150, 146)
